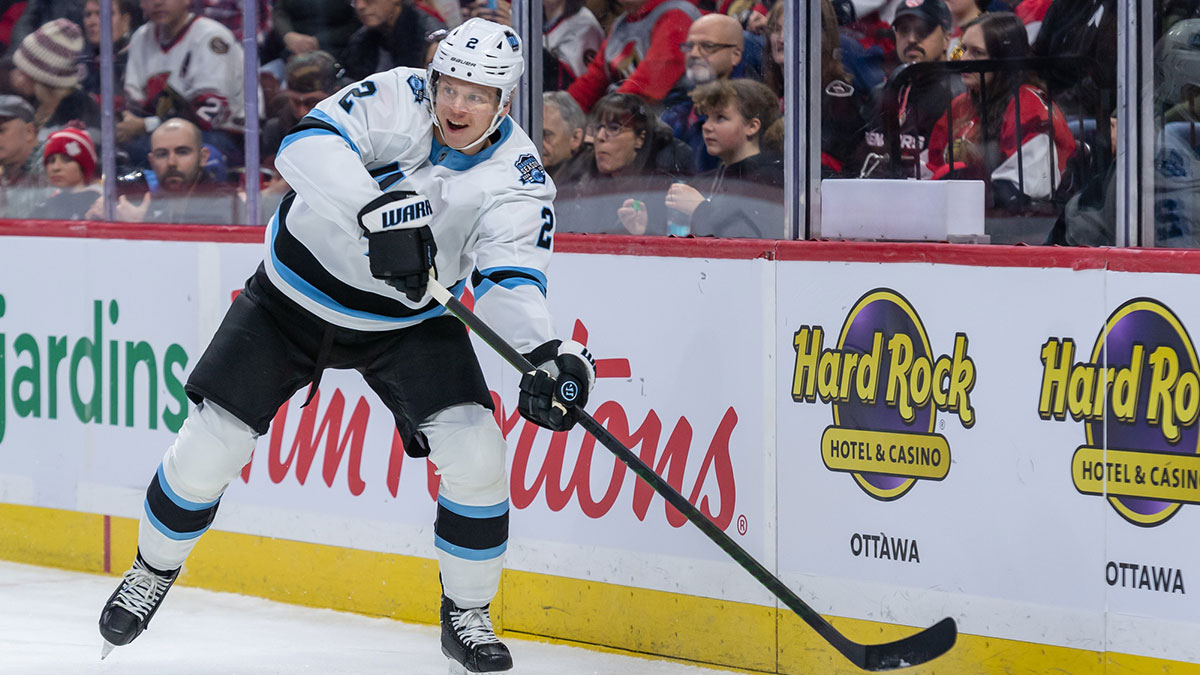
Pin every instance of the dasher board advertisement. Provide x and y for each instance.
(95, 360)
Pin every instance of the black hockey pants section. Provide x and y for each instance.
(268, 347)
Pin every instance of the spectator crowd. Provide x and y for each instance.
(659, 116)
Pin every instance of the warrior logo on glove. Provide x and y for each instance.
(400, 244)
(406, 213)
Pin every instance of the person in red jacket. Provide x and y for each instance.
(641, 54)
(1020, 160)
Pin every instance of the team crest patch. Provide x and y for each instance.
(531, 170)
(219, 46)
(417, 84)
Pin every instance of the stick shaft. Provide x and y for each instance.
(643, 471)
(915, 649)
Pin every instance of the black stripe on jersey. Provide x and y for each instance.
(474, 533)
(384, 170)
(496, 276)
(312, 123)
(387, 175)
(292, 254)
(174, 517)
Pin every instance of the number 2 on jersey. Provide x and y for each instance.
(367, 88)
(545, 237)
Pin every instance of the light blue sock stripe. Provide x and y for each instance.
(474, 511)
(180, 501)
(168, 532)
(470, 553)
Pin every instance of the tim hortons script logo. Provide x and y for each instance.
(557, 472)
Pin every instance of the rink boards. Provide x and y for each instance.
(900, 433)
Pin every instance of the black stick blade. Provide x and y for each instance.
(912, 650)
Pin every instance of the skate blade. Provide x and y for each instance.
(106, 649)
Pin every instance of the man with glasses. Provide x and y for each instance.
(712, 51)
(922, 29)
(641, 53)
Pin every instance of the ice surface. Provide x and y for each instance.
(48, 627)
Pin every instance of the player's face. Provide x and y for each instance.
(176, 158)
(62, 171)
(917, 41)
(464, 110)
(558, 143)
(727, 133)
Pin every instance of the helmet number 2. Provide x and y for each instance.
(367, 88)
(472, 43)
(545, 237)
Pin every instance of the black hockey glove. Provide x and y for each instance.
(400, 244)
(552, 395)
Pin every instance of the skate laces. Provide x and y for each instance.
(141, 590)
(474, 626)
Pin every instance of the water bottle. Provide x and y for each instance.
(679, 223)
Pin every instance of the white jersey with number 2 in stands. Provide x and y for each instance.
(493, 212)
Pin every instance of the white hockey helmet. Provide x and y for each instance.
(1178, 61)
(482, 52)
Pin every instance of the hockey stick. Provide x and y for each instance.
(910, 651)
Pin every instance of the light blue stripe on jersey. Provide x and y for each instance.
(180, 501)
(444, 155)
(474, 511)
(311, 292)
(168, 532)
(469, 553)
(538, 281)
(323, 117)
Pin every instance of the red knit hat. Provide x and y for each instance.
(76, 144)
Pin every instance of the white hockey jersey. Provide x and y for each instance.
(493, 212)
(574, 40)
(197, 76)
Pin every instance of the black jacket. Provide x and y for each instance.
(744, 199)
(370, 52)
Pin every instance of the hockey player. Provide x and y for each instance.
(401, 175)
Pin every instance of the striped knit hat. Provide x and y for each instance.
(76, 144)
(50, 54)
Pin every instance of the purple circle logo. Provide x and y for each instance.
(885, 385)
(1143, 444)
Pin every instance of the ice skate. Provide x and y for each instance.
(469, 641)
(129, 609)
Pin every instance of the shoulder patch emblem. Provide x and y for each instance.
(531, 169)
(219, 46)
(417, 84)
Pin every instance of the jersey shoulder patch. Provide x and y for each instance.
(417, 84)
(219, 46)
(531, 169)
